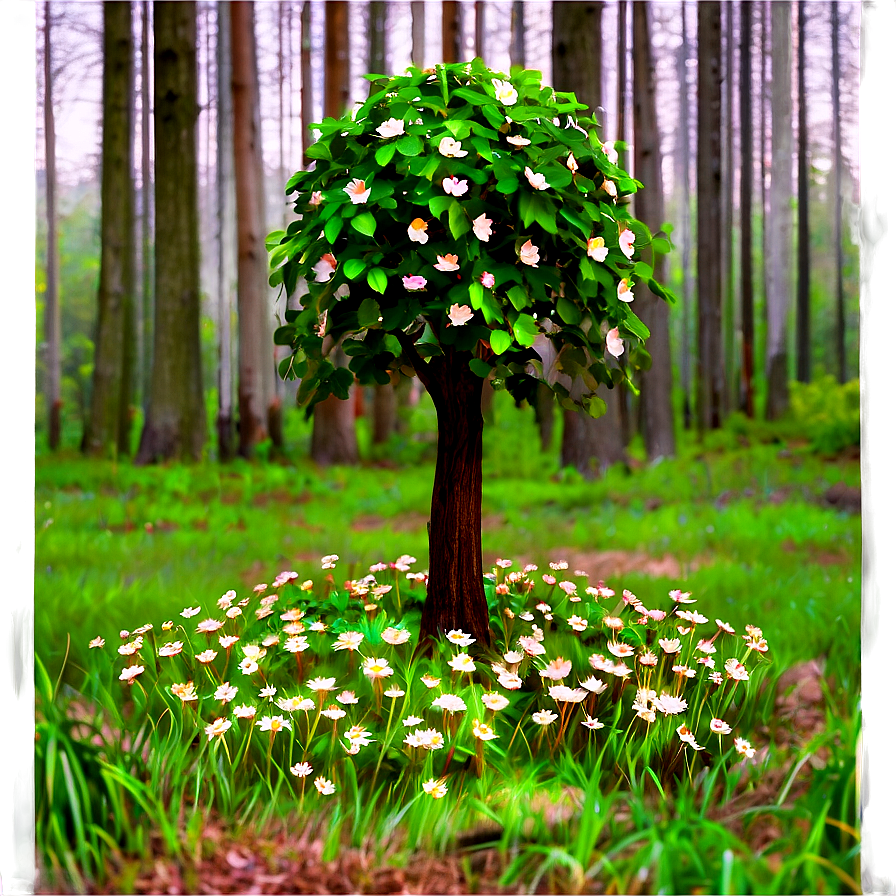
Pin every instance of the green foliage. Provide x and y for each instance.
(496, 198)
(827, 413)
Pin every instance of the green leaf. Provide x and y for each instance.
(480, 367)
(476, 294)
(410, 145)
(318, 150)
(545, 213)
(476, 97)
(594, 405)
(364, 223)
(568, 312)
(500, 341)
(507, 185)
(340, 382)
(635, 325)
(458, 221)
(438, 204)
(642, 270)
(460, 130)
(525, 329)
(494, 116)
(369, 312)
(491, 310)
(661, 245)
(576, 221)
(332, 228)
(384, 154)
(377, 279)
(354, 267)
(518, 296)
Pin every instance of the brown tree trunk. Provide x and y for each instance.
(110, 399)
(455, 596)
(385, 409)
(729, 322)
(175, 424)
(683, 160)
(418, 32)
(147, 302)
(803, 314)
(746, 207)
(517, 34)
(838, 191)
(52, 324)
(657, 420)
(333, 436)
(710, 363)
(307, 93)
(452, 31)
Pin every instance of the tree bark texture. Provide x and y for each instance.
(710, 363)
(517, 34)
(175, 424)
(803, 312)
(108, 423)
(52, 323)
(621, 75)
(418, 32)
(452, 31)
(683, 153)
(385, 410)
(146, 313)
(455, 595)
(307, 93)
(657, 421)
(376, 17)
(780, 215)
(746, 209)
(838, 190)
(729, 322)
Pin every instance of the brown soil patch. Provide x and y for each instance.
(406, 522)
(608, 565)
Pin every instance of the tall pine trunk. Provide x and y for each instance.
(780, 216)
(683, 146)
(452, 31)
(746, 209)
(657, 420)
(838, 191)
(147, 301)
(517, 34)
(803, 314)
(175, 425)
(108, 422)
(52, 323)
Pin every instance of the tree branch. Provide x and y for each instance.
(420, 367)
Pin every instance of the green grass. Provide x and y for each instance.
(745, 520)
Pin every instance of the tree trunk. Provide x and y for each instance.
(838, 191)
(307, 93)
(729, 323)
(684, 178)
(452, 31)
(710, 363)
(479, 28)
(455, 596)
(175, 424)
(517, 34)
(226, 238)
(254, 348)
(621, 75)
(52, 324)
(658, 425)
(803, 315)
(147, 303)
(746, 209)
(418, 32)
(780, 215)
(385, 410)
(376, 59)
(110, 398)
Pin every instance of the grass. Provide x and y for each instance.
(745, 522)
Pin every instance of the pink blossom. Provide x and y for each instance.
(458, 315)
(357, 191)
(447, 263)
(482, 227)
(614, 343)
(391, 128)
(454, 187)
(417, 231)
(487, 280)
(414, 282)
(624, 290)
(518, 141)
(529, 254)
(451, 148)
(536, 181)
(596, 249)
(627, 243)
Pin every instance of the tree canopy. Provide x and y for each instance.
(458, 207)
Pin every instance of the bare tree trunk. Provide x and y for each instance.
(452, 31)
(517, 34)
(147, 309)
(307, 93)
(780, 216)
(385, 410)
(657, 420)
(418, 32)
(226, 238)
(52, 324)
(710, 362)
(838, 190)
(175, 425)
(376, 60)
(479, 29)
(803, 314)
(684, 178)
(621, 74)
(729, 323)
(746, 208)
(110, 398)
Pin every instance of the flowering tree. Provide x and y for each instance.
(448, 222)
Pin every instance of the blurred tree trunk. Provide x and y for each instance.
(147, 303)
(226, 238)
(517, 34)
(838, 191)
(333, 436)
(729, 322)
(418, 32)
(589, 444)
(479, 28)
(803, 313)
(255, 348)
(780, 216)
(376, 30)
(108, 425)
(657, 422)
(710, 362)
(683, 160)
(452, 31)
(746, 208)
(52, 324)
(621, 398)
(175, 425)
(307, 92)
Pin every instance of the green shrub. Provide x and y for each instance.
(827, 413)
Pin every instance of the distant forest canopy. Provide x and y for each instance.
(311, 59)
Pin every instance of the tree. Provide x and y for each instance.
(803, 316)
(175, 424)
(517, 34)
(838, 190)
(52, 317)
(746, 209)
(108, 424)
(145, 315)
(452, 31)
(657, 421)
(589, 445)
(307, 92)
(418, 32)
(779, 257)
(710, 362)
(447, 246)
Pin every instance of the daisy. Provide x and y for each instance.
(296, 644)
(187, 612)
(669, 705)
(324, 786)
(556, 669)
(544, 717)
(267, 692)
(529, 254)
(334, 713)
(436, 789)
(227, 640)
(295, 704)
(463, 662)
(417, 231)
(322, 685)
(504, 92)
(375, 668)
(531, 646)
(510, 680)
(225, 692)
(347, 698)
(563, 694)
(593, 724)
(394, 127)
(395, 636)
(687, 737)
(617, 648)
(430, 739)
(358, 735)
(207, 626)
(357, 191)
(172, 648)
(447, 262)
(449, 703)
(684, 670)
(301, 769)
(130, 673)
(482, 228)
(494, 701)
(97, 642)
(131, 647)
(716, 678)
(461, 639)
(743, 747)
(248, 666)
(759, 644)
(274, 724)
(657, 615)
(691, 617)
(458, 315)
(670, 646)
(577, 623)
(217, 728)
(724, 627)
(348, 641)
(483, 731)
(244, 711)
(394, 693)
(736, 670)
(451, 148)
(648, 658)
(593, 685)
(410, 721)
(719, 726)
(430, 680)
(186, 692)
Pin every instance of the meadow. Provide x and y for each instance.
(132, 796)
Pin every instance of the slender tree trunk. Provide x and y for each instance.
(307, 92)
(479, 29)
(803, 314)
(376, 59)
(657, 419)
(147, 309)
(710, 362)
(455, 595)
(746, 208)
(175, 424)
(517, 34)
(52, 323)
(729, 322)
(838, 191)
(110, 398)
(452, 31)
(226, 237)
(621, 75)
(684, 161)
(418, 32)
(780, 215)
